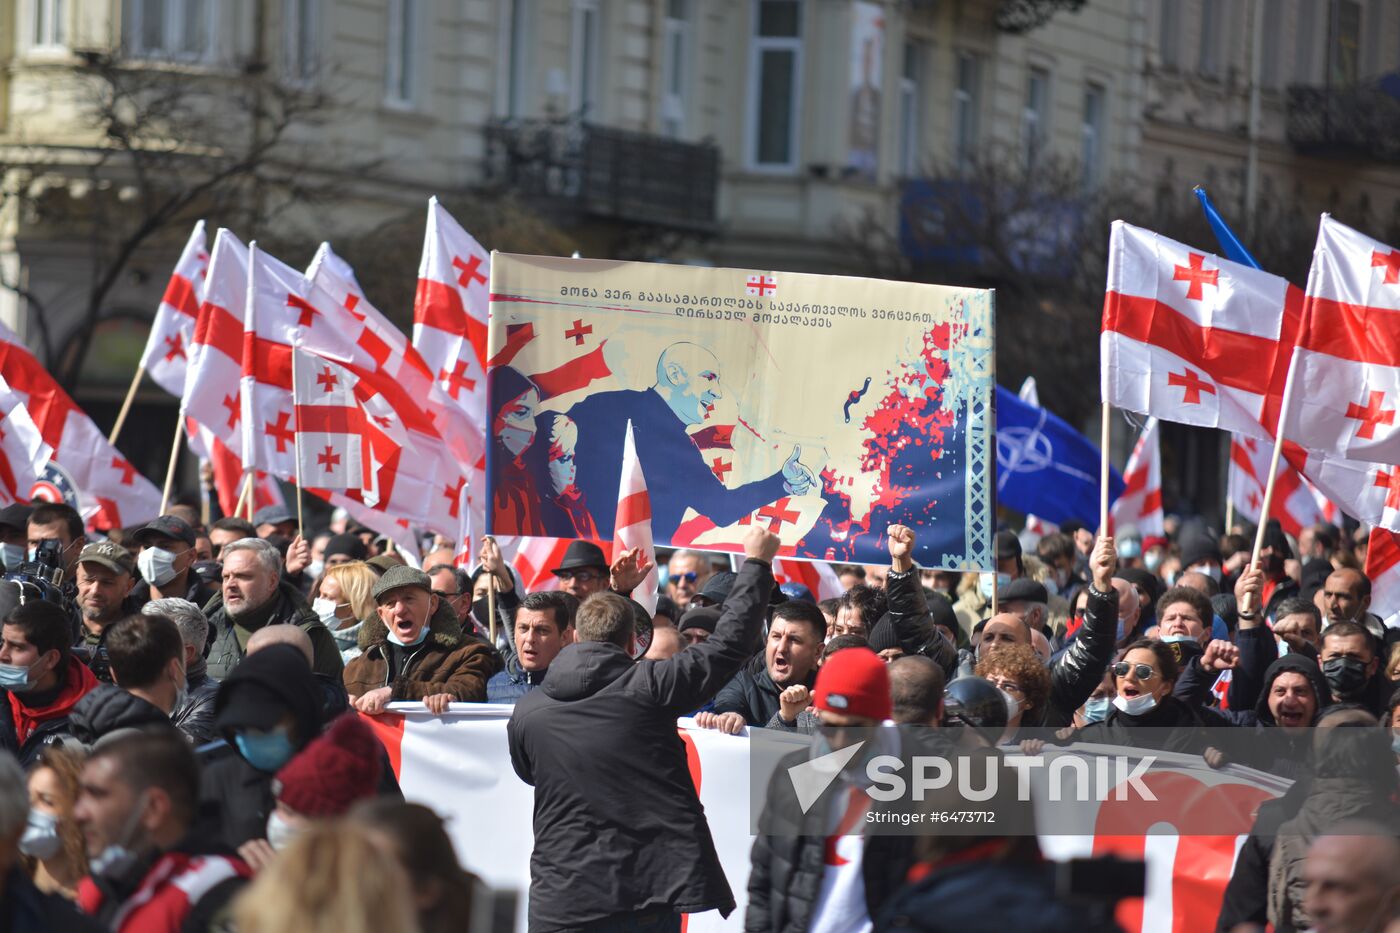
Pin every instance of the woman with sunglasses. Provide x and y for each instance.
(1143, 713)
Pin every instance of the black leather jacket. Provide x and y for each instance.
(913, 623)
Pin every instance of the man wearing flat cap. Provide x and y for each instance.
(415, 650)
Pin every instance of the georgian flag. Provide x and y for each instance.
(817, 576)
(23, 453)
(211, 394)
(1193, 338)
(1346, 372)
(1383, 570)
(334, 443)
(1295, 504)
(1369, 492)
(1140, 505)
(171, 340)
(632, 529)
(110, 492)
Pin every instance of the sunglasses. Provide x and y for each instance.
(1140, 671)
(689, 577)
(583, 576)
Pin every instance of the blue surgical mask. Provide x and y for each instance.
(1129, 548)
(1395, 743)
(266, 751)
(1136, 706)
(14, 678)
(422, 634)
(989, 583)
(1152, 560)
(1176, 639)
(12, 555)
(1096, 709)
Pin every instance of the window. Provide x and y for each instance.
(1168, 32)
(909, 78)
(179, 29)
(774, 69)
(402, 49)
(967, 103)
(1344, 61)
(675, 61)
(1271, 58)
(515, 74)
(48, 24)
(1035, 118)
(585, 59)
(1091, 136)
(300, 28)
(1212, 30)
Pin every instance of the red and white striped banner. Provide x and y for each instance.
(459, 764)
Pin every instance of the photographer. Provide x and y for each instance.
(55, 521)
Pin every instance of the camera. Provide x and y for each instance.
(44, 573)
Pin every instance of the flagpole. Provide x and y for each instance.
(1264, 510)
(296, 436)
(1103, 471)
(491, 603)
(243, 495)
(170, 469)
(126, 406)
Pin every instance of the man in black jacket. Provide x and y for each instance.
(195, 716)
(790, 658)
(601, 726)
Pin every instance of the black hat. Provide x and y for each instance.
(1008, 545)
(1199, 548)
(166, 526)
(1023, 589)
(272, 515)
(581, 554)
(716, 589)
(883, 635)
(704, 617)
(1145, 579)
(352, 546)
(16, 516)
(265, 686)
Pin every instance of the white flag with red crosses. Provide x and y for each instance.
(1346, 372)
(1383, 570)
(1295, 505)
(166, 357)
(632, 529)
(333, 429)
(1140, 505)
(1193, 338)
(23, 452)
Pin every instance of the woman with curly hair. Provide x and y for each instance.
(1017, 671)
(53, 846)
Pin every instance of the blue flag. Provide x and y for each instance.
(1230, 244)
(1045, 466)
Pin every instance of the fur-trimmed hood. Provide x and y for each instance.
(443, 629)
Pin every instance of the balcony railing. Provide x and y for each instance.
(605, 173)
(1361, 122)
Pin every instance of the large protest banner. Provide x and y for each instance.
(825, 407)
(459, 764)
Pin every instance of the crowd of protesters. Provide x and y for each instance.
(187, 720)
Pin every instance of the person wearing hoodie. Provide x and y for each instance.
(254, 595)
(267, 710)
(148, 666)
(341, 600)
(415, 650)
(601, 725)
(42, 680)
(1353, 779)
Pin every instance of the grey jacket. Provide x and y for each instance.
(289, 608)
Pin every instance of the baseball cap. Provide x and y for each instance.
(272, 515)
(108, 554)
(166, 526)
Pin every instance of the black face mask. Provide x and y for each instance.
(481, 612)
(1346, 676)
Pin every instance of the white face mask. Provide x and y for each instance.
(157, 565)
(280, 833)
(325, 611)
(40, 839)
(1210, 570)
(989, 582)
(1136, 706)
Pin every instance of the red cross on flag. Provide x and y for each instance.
(1140, 505)
(1369, 492)
(790, 517)
(632, 529)
(1383, 570)
(450, 313)
(172, 332)
(1295, 505)
(1346, 373)
(336, 430)
(211, 393)
(111, 494)
(23, 452)
(1193, 338)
